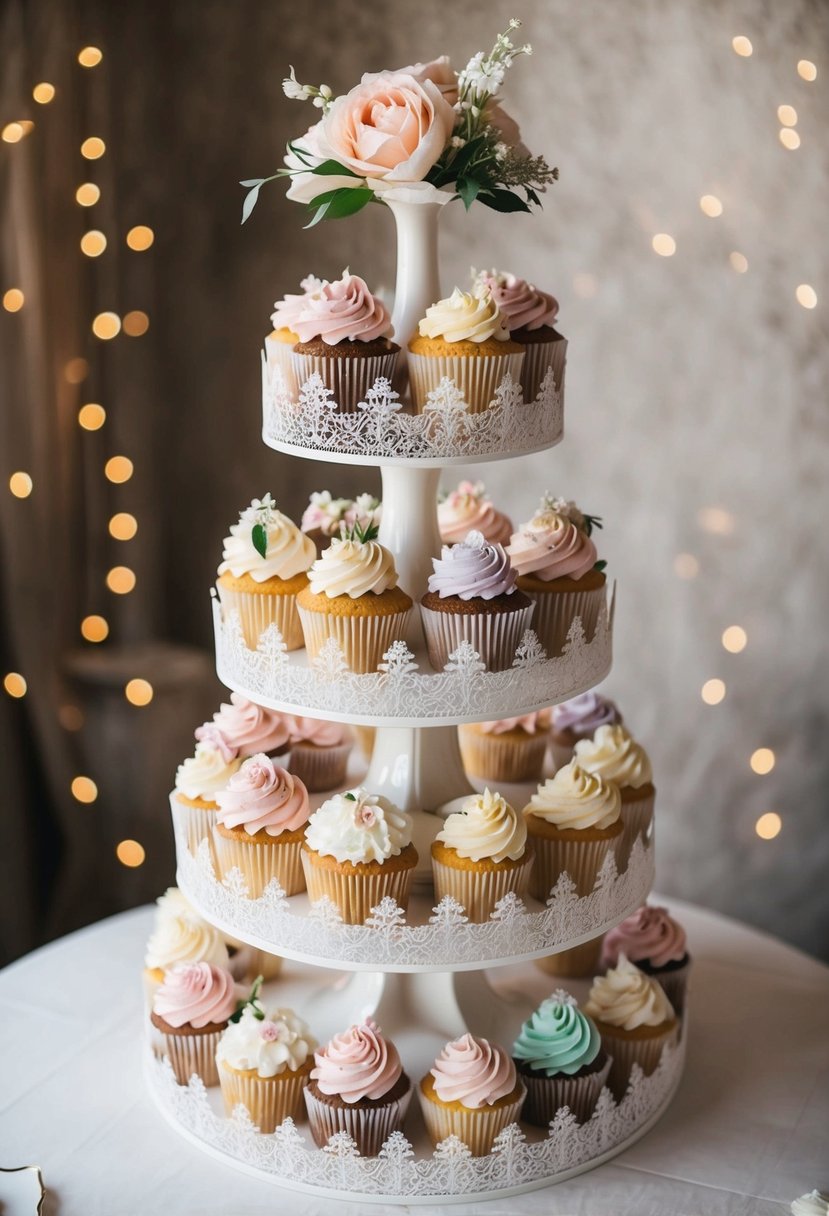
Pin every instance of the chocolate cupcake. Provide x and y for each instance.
(530, 316)
(560, 1058)
(656, 943)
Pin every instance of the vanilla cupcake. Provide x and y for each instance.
(260, 823)
(557, 567)
(579, 718)
(463, 338)
(198, 778)
(244, 729)
(319, 753)
(264, 1061)
(530, 316)
(191, 1009)
(472, 1092)
(573, 821)
(511, 749)
(634, 1018)
(481, 854)
(615, 756)
(280, 343)
(265, 559)
(353, 597)
(656, 943)
(473, 597)
(467, 509)
(560, 1059)
(323, 518)
(357, 850)
(179, 935)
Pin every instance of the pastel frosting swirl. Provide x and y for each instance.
(467, 509)
(289, 551)
(359, 1063)
(357, 826)
(585, 713)
(615, 756)
(627, 998)
(261, 797)
(650, 935)
(321, 734)
(464, 317)
(289, 308)
(552, 548)
(195, 994)
(267, 1046)
(206, 772)
(324, 513)
(486, 827)
(558, 1037)
(523, 305)
(474, 569)
(344, 310)
(353, 568)
(474, 1072)
(247, 728)
(181, 936)
(576, 799)
(537, 722)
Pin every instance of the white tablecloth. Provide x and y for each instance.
(747, 1132)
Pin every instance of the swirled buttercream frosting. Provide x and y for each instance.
(359, 1063)
(585, 713)
(627, 998)
(353, 568)
(523, 305)
(268, 1045)
(485, 828)
(577, 799)
(552, 547)
(615, 756)
(261, 797)
(535, 723)
(181, 936)
(248, 728)
(650, 935)
(467, 509)
(195, 994)
(288, 550)
(474, 569)
(321, 734)
(357, 826)
(558, 1037)
(464, 317)
(324, 513)
(289, 308)
(204, 773)
(474, 1072)
(344, 310)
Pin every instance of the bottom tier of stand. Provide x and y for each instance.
(420, 1013)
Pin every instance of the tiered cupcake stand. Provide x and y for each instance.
(426, 974)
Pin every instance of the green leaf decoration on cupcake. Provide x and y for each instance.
(253, 1001)
(362, 533)
(259, 537)
(591, 522)
(599, 566)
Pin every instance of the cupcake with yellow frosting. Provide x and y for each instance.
(472, 1091)
(198, 779)
(530, 317)
(263, 568)
(353, 596)
(357, 850)
(279, 344)
(634, 1018)
(481, 854)
(614, 755)
(463, 338)
(573, 821)
(510, 749)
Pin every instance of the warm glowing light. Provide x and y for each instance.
(664, 245)
(686, 566)
(87, 194)
(123, 526)
(118, 469)
(742, 46)
(710, 205)
(140, 238)
(789, 139)
(106, 325)
(806, 70)
(139, 692)
(94, 628)
(13, 299)
(787, 115)
(43, 93)
(93, 243)
(121, 580)
(90, 56)
(70, 717)
(84, 789)
(739, 262)
(15, 684)
(130, 853)
(13, 132)
(716, 520)
(734, 639)
(713, 691)
(768, 826)
(92, 416)
(76, 371)
(136, 323)
(762, 761)
(20, 484)
(806, 296)
(93, 148)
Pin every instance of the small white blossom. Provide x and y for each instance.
(457, 141)
(319, 102)
(501, 151)
(514, 23)
(293, 89)
(327, 94)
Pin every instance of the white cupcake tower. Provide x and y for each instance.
(419, 972)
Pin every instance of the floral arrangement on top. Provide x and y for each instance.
(412, 134)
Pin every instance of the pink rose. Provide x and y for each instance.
(439, 71)
(305, 186)
(269, 1031)
(364, 816)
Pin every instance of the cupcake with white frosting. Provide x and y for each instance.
(467, 509)
(579, 718)
(463, 338)
(198, 779)
(319, 753)
(191, 1009)
(615, 756)
(481, 854)
(179, 935)
(263, 568)
(509, 749)
(280, 343)
(530, 317)
(656, 943)
(264, 1060)
(473, 1092)
(357, 850)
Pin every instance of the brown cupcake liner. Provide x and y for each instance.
(495, 635)
(546, 1095)
(260, 863)
(575, 963)
(627, 1052)
(269, 1100)
(674, 984)
(476, 1128)
(476, 376)
(560, 755)
(494, 758)
(479, 890)
(582, 859)
(369, 1126)
(363, 639)
(348, 378)
(320, 768)
(637, 816)
(356, 893)
(538, 357)
(258, 610)
(555, 612)
(195, 824)
(193, 1053)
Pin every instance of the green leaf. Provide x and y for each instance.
(532, 197)
(336, 204)
(252, 181)
(301, 154)
(468, 189)
(591, 522)
(333, 168)
(252, 999)
(599, 566)
(350, 797)
(466, 155)
(319, 215)
(259, 536)
(250, 201)
(502, 200)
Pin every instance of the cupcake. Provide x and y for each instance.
(279, 345)
(634, 1018)
(653, 940)
(358, 1086)
(179, 935)
(264, 566)
(345, 338)
(614, 756)
(353, 596)
(511, 749)
(555, 560)
(323, 518)
(472, 597)
(198, 778)
(573, 821)
(244, 728)
(465, 339)
(191, 1009)
(262, 815)
(467, 509)
(530, 315)
(481, 854)
(560, 1059)
(264, 1061)
(579, 718)
(472, 1092)
(319, 753)
(357, 850)
(365, 511)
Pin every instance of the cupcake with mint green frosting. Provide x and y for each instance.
(560, 1058)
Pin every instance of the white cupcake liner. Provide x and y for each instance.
(546, 1095)
(356, 893)
(496, 758)
(637, 817)
(348, 379)
(627, 1052)
(575, 963)
(538, 357)
(269, 1100)
(494, 635)
(193, 1053)
(195, 822)
(320, 768)
(476, 1128)
(479, 890)
(363, 639)
(368, 1126)
(556, 610)
(476, 376)
(280, 357)
(582, 859)
(258, 610)
(260, 863)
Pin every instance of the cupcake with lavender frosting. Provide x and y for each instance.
(473, 1092)
(530, 317)
(656, 943)
(614, 755)
(358, 1086)
(510, 749)
(280, 343)
(579, 718)
(467, 509)
(481, 854)
(560, 1058)
(191, 1009)
(319, 753)
(473, 597)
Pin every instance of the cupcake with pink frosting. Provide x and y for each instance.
(358, 1086)
(511, 749)
(579, 718)
(473, 597)
(260, 825)
(530, 317)
(344, 337)
(243, 728)
(280, 343)
(473, 1092)
(656, 943)
(557, 567)
(319, 753)
(467, 509)
(191, 1009)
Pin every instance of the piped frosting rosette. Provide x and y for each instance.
(264, 1061)
(509, 749)
(244, 729)
(190, 1010)
(615, 756)
(560, 1058)
(480, 855)
(319, 753)
(656, 943)
(579, 718)
(467, 509)
(198, 778)
(280, 343)
(179, 935)
(530, 315)
(472, 1092)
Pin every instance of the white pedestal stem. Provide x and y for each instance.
(418, 276)
(409, 527)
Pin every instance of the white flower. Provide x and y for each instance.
(457, 141)
(293, 89)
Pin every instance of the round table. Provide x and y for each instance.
(747, 1132)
